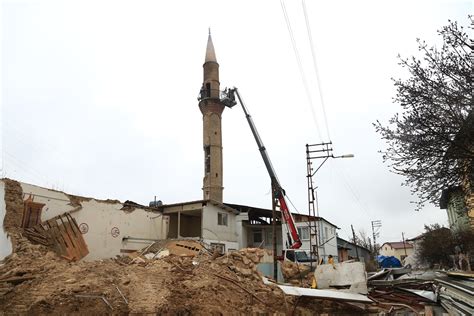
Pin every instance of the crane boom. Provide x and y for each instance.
(278, 192)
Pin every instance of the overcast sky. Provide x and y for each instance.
(99, 98)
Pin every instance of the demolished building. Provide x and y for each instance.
(109, 227)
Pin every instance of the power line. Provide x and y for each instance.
(300, 67)
(315, 66)
(22, 165)
(349, 188)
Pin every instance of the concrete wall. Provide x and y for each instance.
(241, 230)
(5, 244)
(107, 228)
(212, 231)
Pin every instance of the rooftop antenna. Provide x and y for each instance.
(209, 30)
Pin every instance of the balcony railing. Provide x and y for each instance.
(225, 96)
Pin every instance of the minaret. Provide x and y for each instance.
(211, 108)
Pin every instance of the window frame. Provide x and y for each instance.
(262, 236)
(222, 219)
(300, 232)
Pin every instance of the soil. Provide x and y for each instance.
(173, 285)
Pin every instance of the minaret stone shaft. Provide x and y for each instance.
(211, 108)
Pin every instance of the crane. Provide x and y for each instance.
(278, 192)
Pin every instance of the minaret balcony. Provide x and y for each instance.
(224, 96)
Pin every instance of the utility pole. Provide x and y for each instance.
(404, 247)
(355, 242)
(274, 237)
(375, 233)
(316, 151)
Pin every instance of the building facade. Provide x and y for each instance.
(398, 249)
(254, 229)
(453, 201)
(348, 250)
(212, 222)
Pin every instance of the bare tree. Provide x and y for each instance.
(364, 240)
(435, 101)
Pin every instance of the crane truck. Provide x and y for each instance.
(294, 241)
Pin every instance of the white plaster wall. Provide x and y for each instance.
(212, 231)
(241, 230)
(5, 244)
(328, 242)
(101, 218)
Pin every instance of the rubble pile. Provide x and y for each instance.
(294, 272)
(36, 280)
(456, 292)
(405, 291)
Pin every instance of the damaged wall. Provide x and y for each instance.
(5, 243)
(106, 228)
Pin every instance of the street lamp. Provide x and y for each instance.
(316, 151)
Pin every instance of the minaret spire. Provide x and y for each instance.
(210, 53)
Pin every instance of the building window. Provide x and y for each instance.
(220, 248)
(207, 158)
(290, 255)
(222, 219)
(268, 237)
(257, 236)
(304, 233)
(31, 213)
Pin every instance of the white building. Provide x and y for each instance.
(327, 237)
(255, 230)
(212, 222)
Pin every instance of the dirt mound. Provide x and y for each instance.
(41, 282)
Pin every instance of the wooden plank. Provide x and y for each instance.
(16, 280)
(76, 234)
(72, 236)
(62, 234)
(71, 249)
(80, 238)
(69, 225)
(74, 224)
(61, 243)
